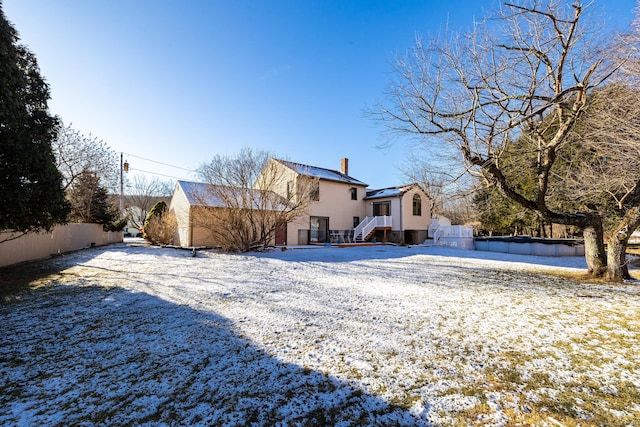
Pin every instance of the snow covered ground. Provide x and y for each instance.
(136, 335)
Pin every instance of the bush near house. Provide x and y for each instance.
(160, 225)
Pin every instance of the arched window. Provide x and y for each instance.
(417, 205)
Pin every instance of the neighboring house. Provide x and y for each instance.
(137, 208)
(409, 208)
(130, 230)
(341, 210)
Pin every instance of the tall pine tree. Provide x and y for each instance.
(90, 201)
(31, 195)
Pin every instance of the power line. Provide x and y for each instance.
(156, 173)
(160, 163)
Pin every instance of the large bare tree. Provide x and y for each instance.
(606, 173)
(77, 153)
(249, 199)
(527, 70)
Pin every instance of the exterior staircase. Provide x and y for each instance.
(368, 227)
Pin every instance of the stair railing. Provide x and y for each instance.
(369, 224)
(358, 231)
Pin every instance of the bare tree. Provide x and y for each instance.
(249, 198)
(527, 70)
(142, 194)
(77, 153)
(460, 210)
(609, 176)
(437, 183)
(446, 183)
(607, 173)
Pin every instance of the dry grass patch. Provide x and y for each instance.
(589, 390)
(578, 276)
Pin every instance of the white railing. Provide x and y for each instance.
(436, 235)
(369, 224)
(452, 231)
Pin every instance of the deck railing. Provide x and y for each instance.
(369, 224)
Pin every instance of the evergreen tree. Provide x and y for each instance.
(30, 184)
(90, 201)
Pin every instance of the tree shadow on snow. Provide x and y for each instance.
(108, 356)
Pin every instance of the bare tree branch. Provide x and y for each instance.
(249, 196)
(77, 153)
(528, 70)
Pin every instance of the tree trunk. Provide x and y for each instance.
(593, 233)
(594, 252)
(616, 259)
(617, 269)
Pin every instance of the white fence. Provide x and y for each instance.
(456, 236)
(63, 238)
(453, 231)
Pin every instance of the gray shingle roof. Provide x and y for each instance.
(388, 192)
(204, 194)
(321, 173)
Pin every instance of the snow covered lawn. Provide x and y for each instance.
(382, 335)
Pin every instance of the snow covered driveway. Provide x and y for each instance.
(132, 335)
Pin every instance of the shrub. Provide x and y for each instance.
(161, 228)
(160, 225)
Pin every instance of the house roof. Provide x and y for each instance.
(218, 196)
(199, 193)
(321, 173)
(389, 192)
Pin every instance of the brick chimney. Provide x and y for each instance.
(344, 166)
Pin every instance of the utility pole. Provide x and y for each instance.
(121, 187)
(124, 167)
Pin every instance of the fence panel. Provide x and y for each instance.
(63, 238)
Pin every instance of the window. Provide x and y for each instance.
(356, 221)
(354, 193)
(417, 205)
(381, 208)
(318, 229)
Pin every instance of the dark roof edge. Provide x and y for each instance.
(345, 178)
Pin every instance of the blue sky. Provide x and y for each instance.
(179, 81)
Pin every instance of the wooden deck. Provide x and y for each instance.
(353, 245)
